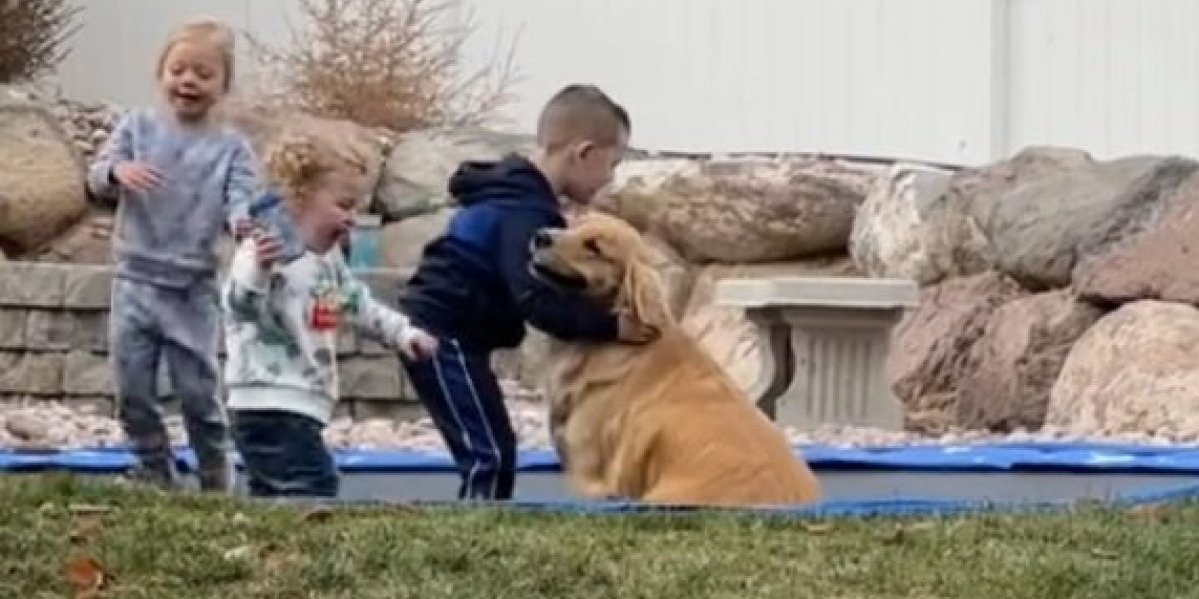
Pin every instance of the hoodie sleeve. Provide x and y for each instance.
(100, 179)
(248, 285)
(567, 316)
(241, 184)
(368, 315)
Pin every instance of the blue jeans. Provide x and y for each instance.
(284, 454)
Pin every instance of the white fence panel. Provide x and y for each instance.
(950, 80)
(886, 77)
(1112, 76)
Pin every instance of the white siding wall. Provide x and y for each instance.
(950, 80)
(1112, 76)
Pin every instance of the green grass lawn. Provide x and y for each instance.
(150, 544)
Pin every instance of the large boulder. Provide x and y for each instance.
(87, 242)
(1034, 162)
(745, 211)
(401, 242)
(89, 124)
(265, 126)
(638, 193)
(908, 227)
(1012, 368)
(1134, 371)
(41, 175)
(724, 332)
(932, 343)
(1157, 262)
(415, 176)
(1044, 214)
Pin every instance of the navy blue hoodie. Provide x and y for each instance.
(473, 283)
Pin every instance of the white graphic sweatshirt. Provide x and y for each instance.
(281, 330)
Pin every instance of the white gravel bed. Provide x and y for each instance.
(49, 425)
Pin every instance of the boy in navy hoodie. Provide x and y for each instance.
(473, 289)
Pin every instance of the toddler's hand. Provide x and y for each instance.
(137, 176)
(267, 247)
(633, 331)
(418, 345)
(242, 227)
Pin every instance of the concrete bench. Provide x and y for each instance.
(828, 340)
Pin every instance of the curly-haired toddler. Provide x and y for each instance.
(288, 291)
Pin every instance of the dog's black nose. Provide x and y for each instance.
(542, 239)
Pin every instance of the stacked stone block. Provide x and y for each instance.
(54, 342)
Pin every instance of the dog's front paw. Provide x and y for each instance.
(593, 489)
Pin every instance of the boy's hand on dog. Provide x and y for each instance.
(631, 330)
(137, 176)
(418, 345)
(267, 247)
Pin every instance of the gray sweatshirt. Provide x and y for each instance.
(168, 236)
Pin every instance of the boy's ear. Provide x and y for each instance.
(583, 149)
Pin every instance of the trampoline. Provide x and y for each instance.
(857, 481)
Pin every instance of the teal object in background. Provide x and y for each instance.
(364, 241)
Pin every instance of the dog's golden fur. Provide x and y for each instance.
(659, 422)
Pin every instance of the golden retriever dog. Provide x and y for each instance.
(659, 422)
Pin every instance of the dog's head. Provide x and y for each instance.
(603, 258)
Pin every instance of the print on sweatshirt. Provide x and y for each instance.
(281, 330)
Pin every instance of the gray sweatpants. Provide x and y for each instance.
(150, 323)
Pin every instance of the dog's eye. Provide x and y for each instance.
(593, 247)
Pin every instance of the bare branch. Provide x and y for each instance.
(392, 63)
(34, 36)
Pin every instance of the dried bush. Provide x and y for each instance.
(33, 36)
(390, 63)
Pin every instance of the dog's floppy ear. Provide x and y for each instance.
(642, 295)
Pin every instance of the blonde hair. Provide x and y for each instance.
(203, 30)
(298, 161)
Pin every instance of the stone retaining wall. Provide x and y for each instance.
(54, 342)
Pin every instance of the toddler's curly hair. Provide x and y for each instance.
(298, 161)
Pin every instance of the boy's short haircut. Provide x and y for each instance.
(581, 112)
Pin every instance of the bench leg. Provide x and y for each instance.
(778, 367)
(838, 374)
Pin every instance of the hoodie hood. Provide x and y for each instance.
(512, 178)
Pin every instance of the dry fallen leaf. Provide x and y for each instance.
(239, 553)
(894, 536)
(817, 528)
(317, 514)
(274, 561)
(1154, 513)
(86, 528)
(83, 509)
(85, 574)
(922, 525)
